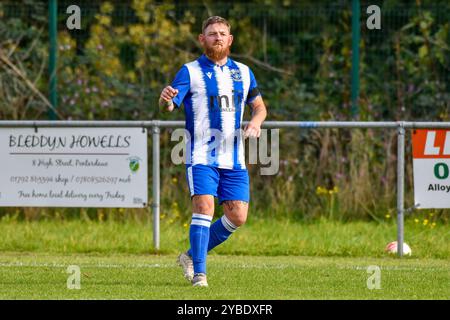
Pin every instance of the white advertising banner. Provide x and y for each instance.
(431, 162)
(73, 167)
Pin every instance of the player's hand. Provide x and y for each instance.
(165, 99)
(252, 130)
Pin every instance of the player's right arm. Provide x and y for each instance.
(166, 98)
(173, 95)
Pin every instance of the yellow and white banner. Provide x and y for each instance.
(431, 162)
(73, 167)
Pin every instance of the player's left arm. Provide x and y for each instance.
(259, 114)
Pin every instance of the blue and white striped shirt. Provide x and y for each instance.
(214, 98)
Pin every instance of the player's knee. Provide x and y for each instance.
(236, 212)
(238, 219)
(203, 206)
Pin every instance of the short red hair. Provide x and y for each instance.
(213, 20)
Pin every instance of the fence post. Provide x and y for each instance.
(355, 56)
(400, 186)
(156, 184)
(53, 34)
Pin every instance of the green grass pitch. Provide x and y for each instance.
(265, 259)
(45, 276)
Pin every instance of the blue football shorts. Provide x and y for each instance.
(225, 184)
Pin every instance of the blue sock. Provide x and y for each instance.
(219, 232)
(199, 238)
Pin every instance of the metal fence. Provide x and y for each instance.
(156, 125)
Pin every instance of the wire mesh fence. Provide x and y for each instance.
(300, 53)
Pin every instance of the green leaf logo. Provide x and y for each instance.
(134, 164)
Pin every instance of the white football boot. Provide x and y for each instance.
(185, 261)
(199, 280)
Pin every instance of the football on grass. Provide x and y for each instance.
(392, 248)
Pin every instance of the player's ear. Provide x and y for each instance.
(230, 40)
(201, 38)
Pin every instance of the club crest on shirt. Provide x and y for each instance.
(236, 74)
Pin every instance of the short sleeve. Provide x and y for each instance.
(182, 83)
(253, 90)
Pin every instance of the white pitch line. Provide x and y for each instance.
(396, 268)
(65, 265)
(174, 266)
(133, 266)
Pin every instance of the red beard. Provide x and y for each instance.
(217, 53)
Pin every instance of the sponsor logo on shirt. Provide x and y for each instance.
(224, 102)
